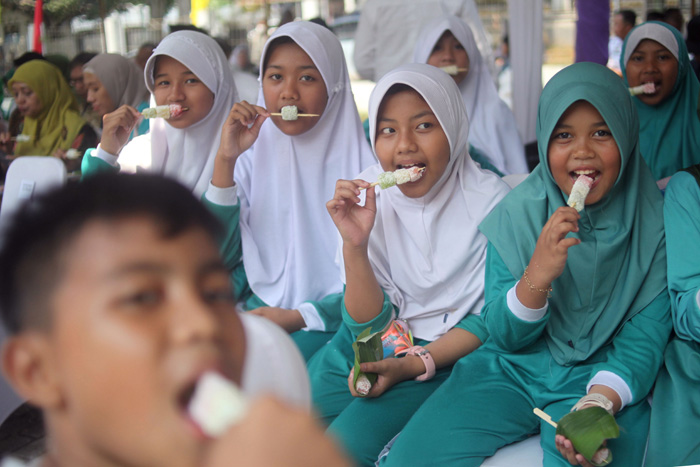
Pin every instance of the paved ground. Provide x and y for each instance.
(22, 434)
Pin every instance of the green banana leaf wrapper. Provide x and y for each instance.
(368, 348)
(587, 429)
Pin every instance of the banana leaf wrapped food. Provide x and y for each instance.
(368, 348)
(587, 429)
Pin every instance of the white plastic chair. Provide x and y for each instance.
(526, 453)
(26, 177)
(514, 179)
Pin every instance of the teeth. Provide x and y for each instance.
(584, 172)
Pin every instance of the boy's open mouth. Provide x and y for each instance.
(185, 396)
(183, 402)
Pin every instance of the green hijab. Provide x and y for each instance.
(59, 122)
(620, 265)
(669, 136)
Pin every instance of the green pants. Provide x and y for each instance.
(674, 437)
(363, 426)
(310, 341)
(487, 403)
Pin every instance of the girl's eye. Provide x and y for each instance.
(664, 57)
(602, 133)
(459, 46)
(274, 76)
(162, 83)
(636, 58)
(192, 81)
(424, 125)
(386, 131)
(307, 78)
(562, 135)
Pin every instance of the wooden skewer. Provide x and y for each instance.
(25, 138)
(544, 416)
(277, 114)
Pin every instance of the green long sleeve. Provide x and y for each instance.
(682, 223)
(505, 330)
(93, 165)
(386, 314)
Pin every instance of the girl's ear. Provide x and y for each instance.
(29, 367)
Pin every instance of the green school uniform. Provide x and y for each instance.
(428, 258)
(669, 137)
(364, 426)
(674, 438)
(610, 297)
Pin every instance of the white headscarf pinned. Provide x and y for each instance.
(187, 154)
(289, 240)
(427, 253)
(493, 129)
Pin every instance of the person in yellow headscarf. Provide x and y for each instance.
(52, 121)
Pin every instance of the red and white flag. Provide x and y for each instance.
(38, 19)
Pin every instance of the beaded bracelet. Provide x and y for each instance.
(548, 290)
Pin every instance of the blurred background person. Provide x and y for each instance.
(111, 81)
(52, 121)
(693, 43)
(143, 54)
(75, 80)
(674, 17)
(623, 22)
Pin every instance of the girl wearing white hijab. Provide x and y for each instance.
(111, 81)
(412, 252)
(493, 130)
(284, 172)
(187, 68)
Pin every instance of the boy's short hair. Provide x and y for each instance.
(628, 16)
(81, 59)
(655, 15)
(31, 256)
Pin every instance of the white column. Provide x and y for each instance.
(114, 34)
(525, 39)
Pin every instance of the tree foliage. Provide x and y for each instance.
(58, 11)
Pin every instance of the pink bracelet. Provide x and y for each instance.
(427, 359)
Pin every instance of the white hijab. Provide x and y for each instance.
(187, 155)
(121, 77)
(493, 129)
(289, 240)
(427, 253)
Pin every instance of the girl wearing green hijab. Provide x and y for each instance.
(669, 137)
(576, 303)
(675, 414)
(52, 123)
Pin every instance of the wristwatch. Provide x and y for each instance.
(427, 359)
